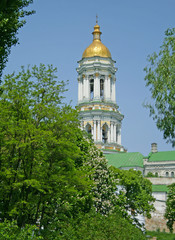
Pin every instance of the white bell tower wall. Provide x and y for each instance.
(99, 113)
(89, 71)
(98, 110)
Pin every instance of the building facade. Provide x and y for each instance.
(98, 110)
(159, 168)
(160, 164)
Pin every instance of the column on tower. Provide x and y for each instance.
(114, 132)
(113, 90)
(86, 88)
(108, 88)
(98, 131)
(105, 88)
(96, 87)
(80, 90)
(95, 131)
(83, 87)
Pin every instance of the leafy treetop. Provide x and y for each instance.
(42, 180)
(135, 194)
(12, 15)
(160, 77)
(170, 207)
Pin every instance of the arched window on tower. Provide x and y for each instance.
(117, 132)
(101, 89)
(91, 89)
(172, 174)
(105, 133)
(88, 129)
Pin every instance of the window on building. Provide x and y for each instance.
(172, 174)
(105, 133)
(101, 89)
(88, 129)
(91, 89)
(167, 174)
(156, 174)
(150, 174)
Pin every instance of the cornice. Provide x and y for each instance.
(96, 58)
(97, 112)
(101, 103)
(96, 67)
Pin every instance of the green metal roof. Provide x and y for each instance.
(159, 188)
(161, 156)
(123, 159)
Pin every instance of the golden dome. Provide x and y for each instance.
(96, 48)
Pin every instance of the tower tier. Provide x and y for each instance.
(98, 110)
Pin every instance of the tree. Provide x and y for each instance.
(50, 172)
(170, 207)
(42, 180)
(135, 193)
(12, 15)
(105, 187)
(160, 77)
(96, 226)
(11, 231)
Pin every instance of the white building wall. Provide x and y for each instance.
(107, 110)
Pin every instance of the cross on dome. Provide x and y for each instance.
(96, 19)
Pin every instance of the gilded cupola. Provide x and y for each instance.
(96, 48)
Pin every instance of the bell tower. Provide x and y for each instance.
(98, 110)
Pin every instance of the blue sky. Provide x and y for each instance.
(60, 31)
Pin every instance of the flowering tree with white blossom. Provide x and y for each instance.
(105, 183)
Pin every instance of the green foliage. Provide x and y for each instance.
(91, 226)
(105, 183)
(170, 207)
(51, 174)
(12, 15)
(150, 174)
(11, 231)
(42, 179)
(161, 235)
(135, 195)
(160, 77)
(95, 226)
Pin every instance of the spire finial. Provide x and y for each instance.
(96, 33)
(96, 19)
